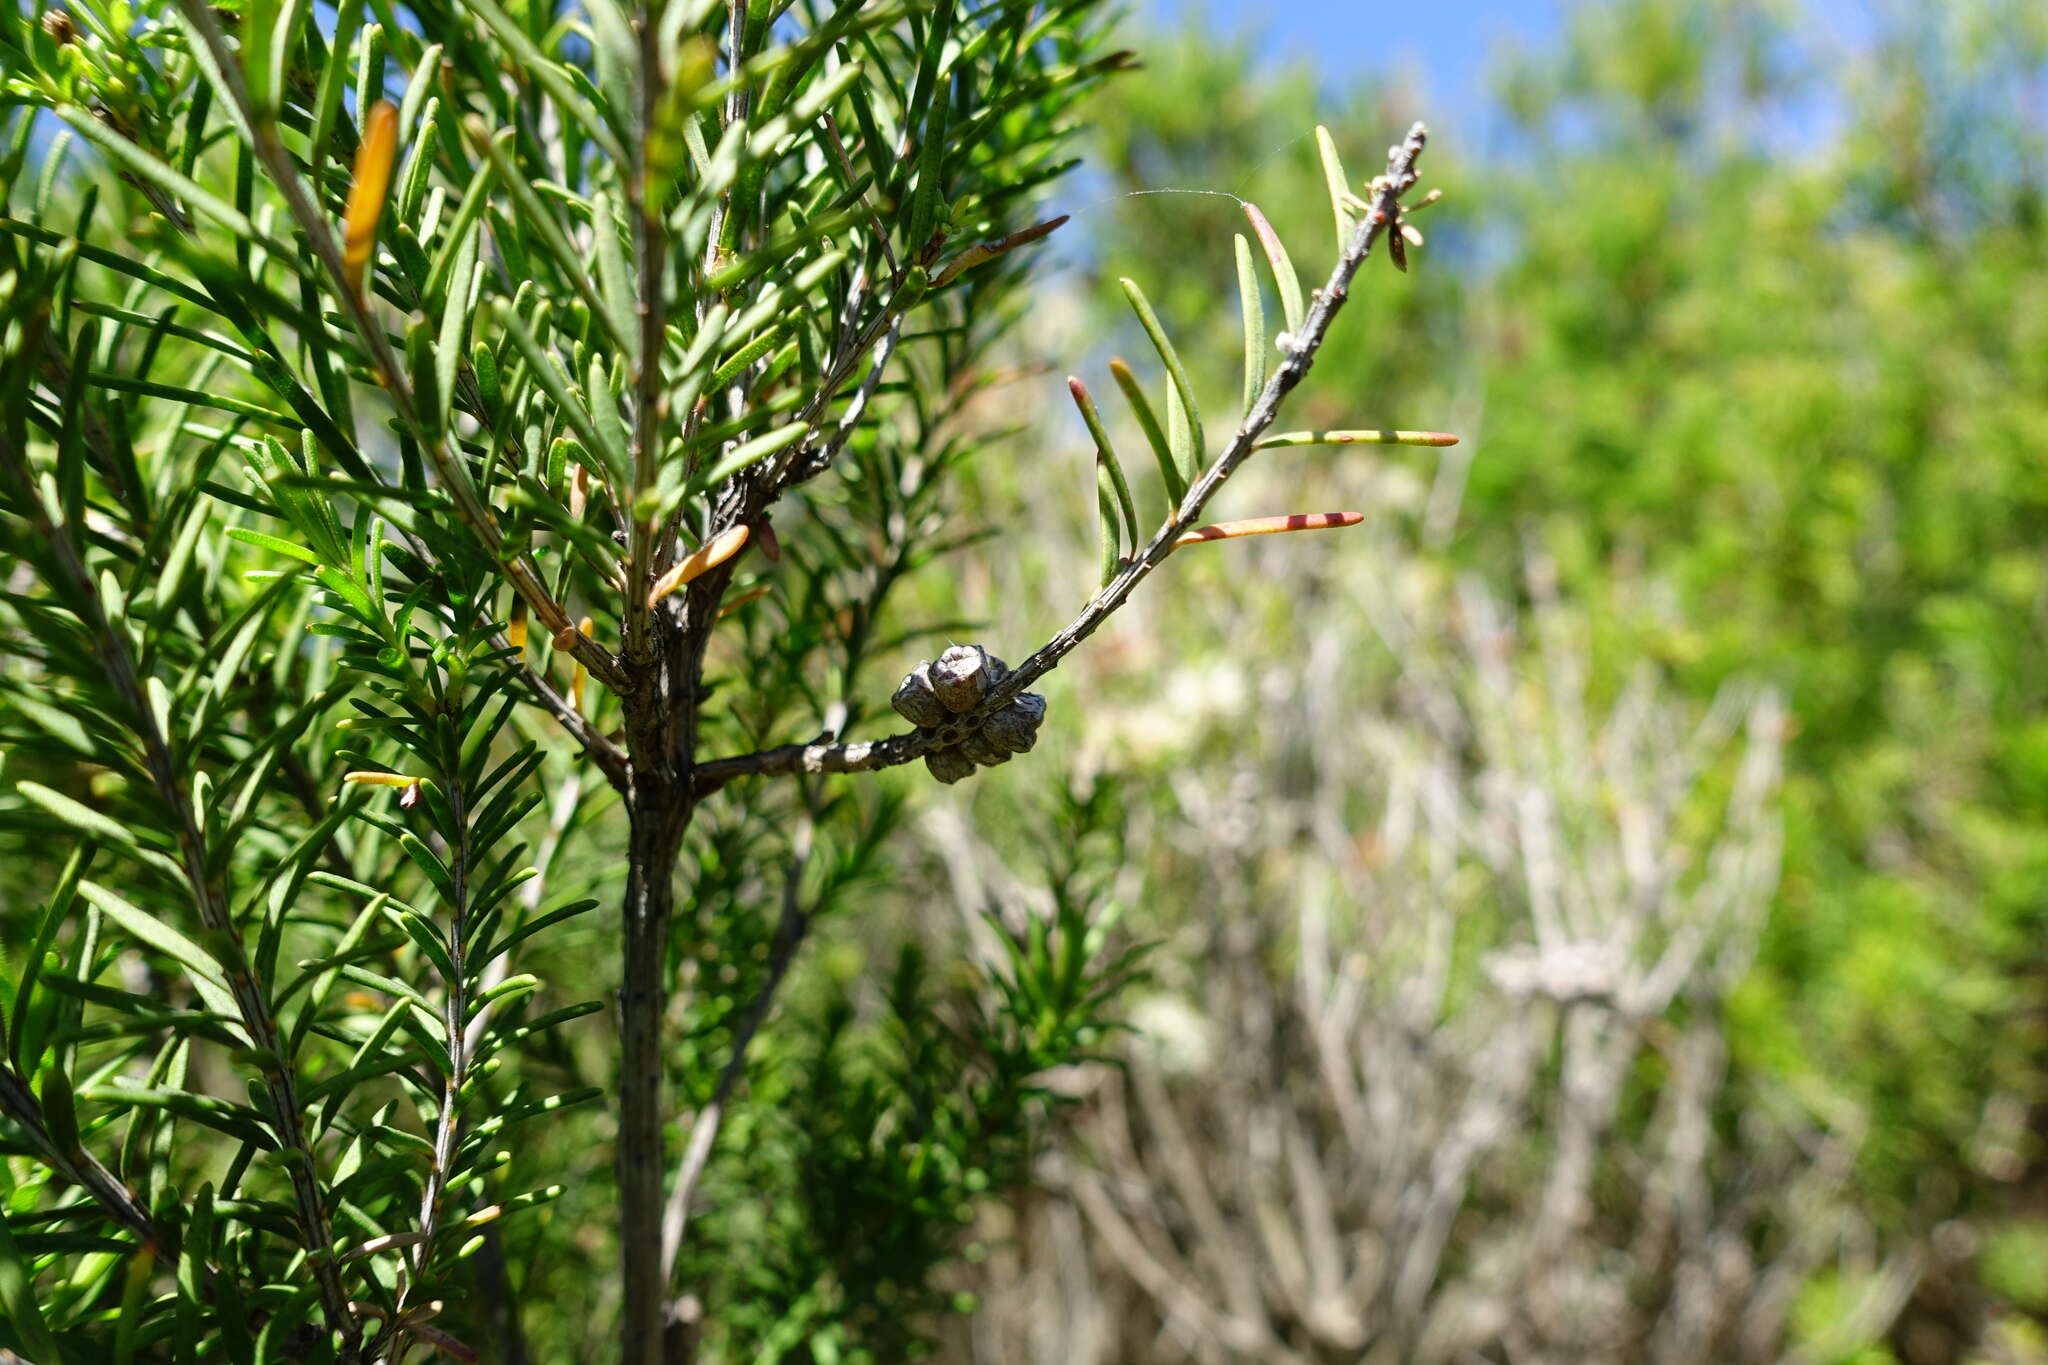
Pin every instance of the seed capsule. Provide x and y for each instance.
(915, 700)
(1014, 729)
(983, 750)
(948, 765)
(963, 675)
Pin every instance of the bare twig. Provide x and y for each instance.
(864, 756)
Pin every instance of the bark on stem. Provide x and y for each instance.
(660, 815)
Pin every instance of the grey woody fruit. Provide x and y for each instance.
(963, 675)
(1014, 729)
(948, 765)
(915, 700)
(983, 750)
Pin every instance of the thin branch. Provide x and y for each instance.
(78, 1166)
(609, 757)
(447, 1127)
(867, 755)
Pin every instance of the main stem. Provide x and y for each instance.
(660, 814)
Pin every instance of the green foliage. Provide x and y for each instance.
(2014, 1263)
(338, 352)
(871, 1147)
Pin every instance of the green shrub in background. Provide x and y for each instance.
(1748, 329)
(395, 408)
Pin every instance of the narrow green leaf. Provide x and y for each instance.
(1339, 187)
(148, 929)
(1141, 408)
(134, 1294)
(547, 372)
(198, 398)
(267, 542)
(536, 925)
(1107, 465)
(455, 318)
(169, 180)
(348, 17)
(614, 281)
(421, 931)
(429, 402)
(418, 170)
(421, 84)
(259, 38)
(24, 1307)
(1254, 310)
(548, 74)
(91, 823)
(539, 218)
(1356, 438)
(1184, 435)
(458, 236)
(60, 1108)
(1105, 520)
(744, 357)
(116, 261)
(1291, 306)
(512, 986)
(236, 1120)
(25, 1051)
(745, 267)
(430, 863)
(760, 448)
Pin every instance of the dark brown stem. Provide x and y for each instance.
(659, 816)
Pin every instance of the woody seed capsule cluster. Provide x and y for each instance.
(941, 690)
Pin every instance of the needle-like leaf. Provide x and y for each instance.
(368, 189)
(1267, 526)
(1340, 192)
(1356, 438)
(1291, 306)
(1112, 490)
(1185, 434)
(1253, 308)
(1141, 408)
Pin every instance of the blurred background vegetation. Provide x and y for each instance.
(1746, 329)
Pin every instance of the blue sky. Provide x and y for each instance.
(1449, 41)
(1447, 44)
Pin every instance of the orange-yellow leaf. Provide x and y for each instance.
(704, 558)
(368, 190)
(579, 675)
(1266, 526)
(367, 779)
